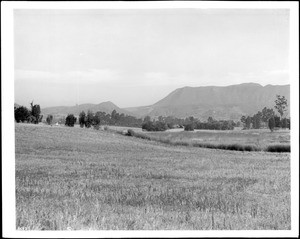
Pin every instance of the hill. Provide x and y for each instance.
(106, 107)
(220, 102)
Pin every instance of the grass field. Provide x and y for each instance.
(73, 178)
(259, 140)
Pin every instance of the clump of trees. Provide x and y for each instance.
(154, 126)
(22, 114)
(268, 118)
(90, 119)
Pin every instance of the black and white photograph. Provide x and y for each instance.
(169, 119)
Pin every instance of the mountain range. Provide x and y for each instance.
(106, 107)
(219, 102)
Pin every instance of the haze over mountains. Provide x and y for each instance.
(219, 102)
(106, 107)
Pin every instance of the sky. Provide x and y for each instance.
(136, 57)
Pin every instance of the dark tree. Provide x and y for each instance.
(96, 120)
(82, 119)
(89, 119)
(271, 124)
(35, 112)
(189, 127)
(70, 120)
(49, 119)
(21, 114)
(284, 123)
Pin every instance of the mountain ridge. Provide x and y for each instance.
(219, 102)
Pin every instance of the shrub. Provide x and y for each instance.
(70, 120)
(21, 114)
(189, 127)
(157, 126)
(279, 148)
(130, 132)
(49, 119)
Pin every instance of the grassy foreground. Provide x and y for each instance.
(73, 178)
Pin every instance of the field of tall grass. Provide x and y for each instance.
(73, 178)
(240, 140)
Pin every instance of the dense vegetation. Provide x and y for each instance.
(262, 119)
(268, 118)
(22, 114)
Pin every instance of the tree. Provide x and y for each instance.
(189, 127)
(271, 124)
(284, 123)
(96, 120)
(49, 119)
(35, 112)
(70, 120)
(82, 119)
(281, 105)
(89, 119)
(267, 114)
(248, 122)
(21, 114)
(256, 119)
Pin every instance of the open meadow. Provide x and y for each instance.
(78, 178)
(244, 140)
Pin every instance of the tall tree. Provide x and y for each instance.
(89, 119)
(267, 114)
(36, 112)
(281, 105)
(82, 119)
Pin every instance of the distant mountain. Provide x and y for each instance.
(220, 102)
(106, 107)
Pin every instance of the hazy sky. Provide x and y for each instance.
(137, 57)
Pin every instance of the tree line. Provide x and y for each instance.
(268, 118)
(264, 118)
(22, 114)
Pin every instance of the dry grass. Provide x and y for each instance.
(240, 140)
(73, 178)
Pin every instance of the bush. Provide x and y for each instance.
(279, 148)
(130, 132)
(189, 127)
(21, 114)
(157, 126)
(70, 120)
(49, 119)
